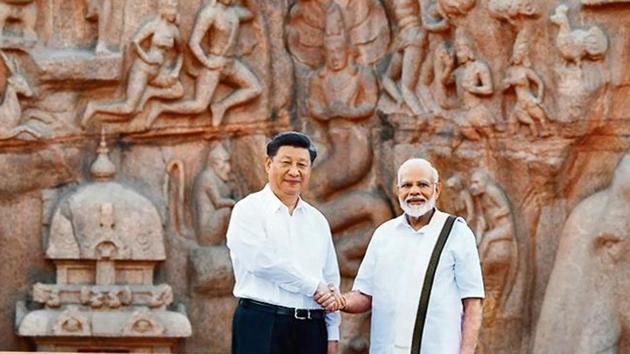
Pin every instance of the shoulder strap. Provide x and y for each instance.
(428, 284)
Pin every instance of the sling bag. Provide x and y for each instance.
(421, 315)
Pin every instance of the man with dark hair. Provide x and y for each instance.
(283, 256)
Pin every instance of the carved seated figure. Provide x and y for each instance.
(496, 241)
(213, 201)
(22, 11)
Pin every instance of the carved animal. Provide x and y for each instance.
(10, 109)
(577, 44)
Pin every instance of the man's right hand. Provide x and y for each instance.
(329, 297)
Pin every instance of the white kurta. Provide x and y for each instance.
(280, 258)
(392, 273)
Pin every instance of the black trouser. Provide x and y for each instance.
(256, 330)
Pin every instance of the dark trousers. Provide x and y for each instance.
(261, 332)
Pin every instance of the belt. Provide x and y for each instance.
(298, 314)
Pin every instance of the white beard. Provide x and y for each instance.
(416, 211)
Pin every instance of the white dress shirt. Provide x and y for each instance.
(398, 252)
(279, 258)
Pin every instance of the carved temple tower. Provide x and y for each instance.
(105, 241)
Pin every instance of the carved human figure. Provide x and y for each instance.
(528, 109)
(213, 200)
(462, 200)
(496, 241)
(365, 20)
(100, 11)
(474, 83)
(219, 20)
(341, 94)
(402, 74)
(152, 73)
(22, 11)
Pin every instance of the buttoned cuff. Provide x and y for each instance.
(333, 332)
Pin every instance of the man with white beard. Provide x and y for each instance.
(391, 280)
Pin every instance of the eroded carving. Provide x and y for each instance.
(591, 267)
(143, 323)
(46, 294)
(576, 45)
(474, 83)
(343, 95)
(219, 20)
(213, 200)
(528, 109)
(462, 201)
(154, 74)
(72, 322)
(401, 78)
(101, 12)
(365, 21)
(105, 297)
(25, 13)
(496, 239)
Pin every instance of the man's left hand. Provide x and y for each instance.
(332, 347)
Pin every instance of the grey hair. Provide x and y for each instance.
(420, 163)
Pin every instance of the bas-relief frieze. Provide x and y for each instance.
(502, 108)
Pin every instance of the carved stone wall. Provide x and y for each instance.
(521, 104)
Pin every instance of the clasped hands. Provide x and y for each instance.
(329, 297)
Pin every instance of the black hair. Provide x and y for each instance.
(294, 139)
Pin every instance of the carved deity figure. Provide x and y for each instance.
(220, 21)
(366, 25)
(100, 11)
(494, 229)
(22, 11)
(474, 83)
(342, 93)
(402, 74)
(153, 73)
(213, 200)
(528, 109)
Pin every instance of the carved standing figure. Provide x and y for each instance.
(344, 95)
(496, 241)
(474, 83)
(152, 74)
(410, 52)
(219, 20)
(100, 11)
(213, 200)
(22, 11)
(528, 109)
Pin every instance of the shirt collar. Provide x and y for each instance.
(436, 222)
(274, 203)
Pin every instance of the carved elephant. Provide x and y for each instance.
(586, 308)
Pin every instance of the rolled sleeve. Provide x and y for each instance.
(468, 276)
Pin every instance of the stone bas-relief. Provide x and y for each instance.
(532, 91)
(105, 240)
(591, 268)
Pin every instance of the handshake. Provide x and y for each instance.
(329, 297)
